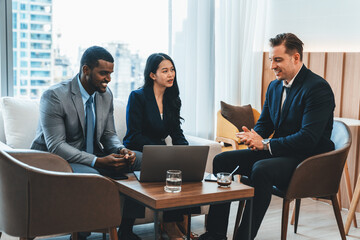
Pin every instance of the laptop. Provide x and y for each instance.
(157, 159)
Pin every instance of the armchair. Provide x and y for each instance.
(225, 132)
(311, 180)
(37, 202)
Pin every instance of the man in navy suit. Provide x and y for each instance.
(298, 110)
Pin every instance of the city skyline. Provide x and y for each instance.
(42, 57)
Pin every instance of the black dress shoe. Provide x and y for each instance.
(212, 236)
(128, 235)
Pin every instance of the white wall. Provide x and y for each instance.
(323, 25)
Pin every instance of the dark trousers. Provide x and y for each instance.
(178, 215)
(264, 171)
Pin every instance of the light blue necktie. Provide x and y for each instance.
(89, 126)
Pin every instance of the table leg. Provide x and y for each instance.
(354, 202)
(348, 188)
(250, 202)
(189, 226)
(156, 224)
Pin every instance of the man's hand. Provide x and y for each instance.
(130, 156)
(115, 161)
(251, 139)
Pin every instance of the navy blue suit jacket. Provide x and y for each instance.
(144, 123)
(303, 127)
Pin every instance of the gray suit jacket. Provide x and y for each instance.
(62, 124)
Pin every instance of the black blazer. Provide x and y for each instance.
(144, 124)
(304, 126)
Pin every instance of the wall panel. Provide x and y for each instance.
(334, 75)
(317, 61)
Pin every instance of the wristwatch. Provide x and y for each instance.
(265, 142)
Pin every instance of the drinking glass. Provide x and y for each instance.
(173, 181)
(223, 179)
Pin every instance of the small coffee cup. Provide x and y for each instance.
(223, 179)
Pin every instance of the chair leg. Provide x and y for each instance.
(74, 236)
(285, 218)
(297, 211)
(338, 216)
(238, 216)
(113, 233)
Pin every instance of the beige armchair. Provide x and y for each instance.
(39, 195)
(226, 132)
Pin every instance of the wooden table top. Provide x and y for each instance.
(192, 193)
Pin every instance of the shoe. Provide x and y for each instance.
(183, 228)
(128, 235)
(212, 236)
(172, 230)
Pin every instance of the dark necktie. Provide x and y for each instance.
(287, 90)
(89, 126)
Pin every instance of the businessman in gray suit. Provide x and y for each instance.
(77, 123)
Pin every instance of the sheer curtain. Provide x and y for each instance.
(193, 53)
(239, 43)
(217, 47)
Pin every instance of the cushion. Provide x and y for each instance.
(120, 118)
(21, 118)
(238, 115)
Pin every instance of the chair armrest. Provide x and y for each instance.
(226, 130)
(77, 202)
(214, 149)
(42, 160)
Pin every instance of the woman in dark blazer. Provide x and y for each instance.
(153, 111)
(152, 114)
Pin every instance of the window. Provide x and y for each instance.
(42, 18)
(23, 44)
(38, 36)
(53, 40)
(14, 21)
(14, 39)
(40, 74)
(23, 26)
(23, 64)
(15, 58)
(22, 6)
(40, 55)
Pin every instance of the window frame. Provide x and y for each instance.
(6, 49)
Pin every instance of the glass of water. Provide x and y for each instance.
(173, 181)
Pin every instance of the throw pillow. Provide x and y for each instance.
(21, 118)
(238, 115)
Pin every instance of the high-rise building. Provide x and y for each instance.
(32, 44)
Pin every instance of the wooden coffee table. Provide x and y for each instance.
(153, 196)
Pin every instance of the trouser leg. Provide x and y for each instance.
(218, 217)
(265, 173)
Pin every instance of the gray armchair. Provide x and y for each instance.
(39, 195)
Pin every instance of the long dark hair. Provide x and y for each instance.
(171, 100)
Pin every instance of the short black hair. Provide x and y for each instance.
(93, 54)
(291, 42)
